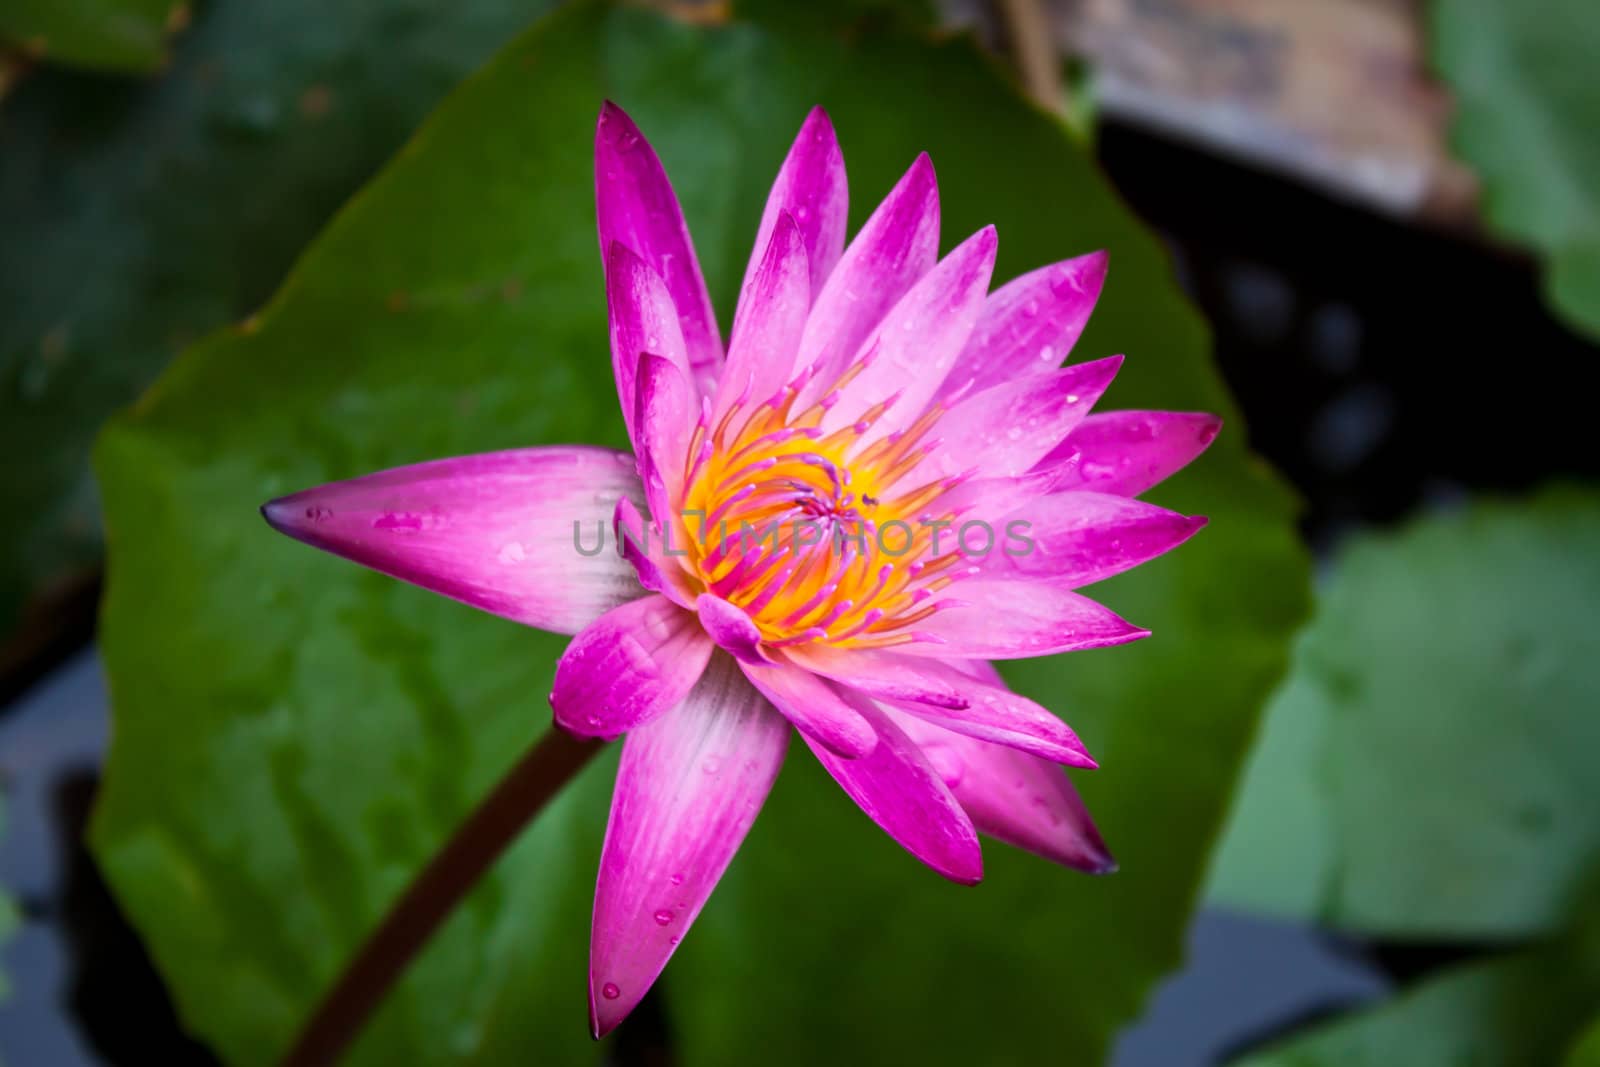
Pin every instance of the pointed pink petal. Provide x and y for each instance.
(1018, 619)
(1127, 452)
(643, 545)
(1008, 429)
(811, 188)
(628, 666)
(689, 787)
(1030, 324)
(664, 421)
(643, 319)
(520, 533)
(731, 629)
(1075, 538)
(911, 350)
(896, 246)
(993, 498)
(1014, 797)
(766, 331)
(635, 206)
(817, 710)
(935, 691)
(899, 789)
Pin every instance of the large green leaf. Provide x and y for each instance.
(1426, 771)
(295, 736)
(113, 35)
(138, 217)
(1520, 1009)
(1527, 106)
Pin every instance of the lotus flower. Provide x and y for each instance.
(884, 482)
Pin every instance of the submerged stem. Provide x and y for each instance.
(531, 784)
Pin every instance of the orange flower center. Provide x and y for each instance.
(812, 534)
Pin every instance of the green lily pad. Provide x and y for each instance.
(1527, 105)
(1426, 769)
(138, 217)
(1509, 1011)
(295, 736)
(127, 36)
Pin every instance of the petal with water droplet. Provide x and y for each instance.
(673, 830)
(636, 207)
(445, 525)
(627, 667)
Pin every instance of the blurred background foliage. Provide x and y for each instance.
(140, 216)
(106, 35)
(1419, 781)
(1528, 100)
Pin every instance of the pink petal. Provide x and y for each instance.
(643, 319)
(935, 691)
(1011, 427)
(1127, 452)
(810, 188)
(898, 789)
(910, 352)
(1030, 324)
(644, 546)
(731, 629)
(766, 331)
(1014, 797)
(993, 498)
(1018, 619)
(688, 789)
(883, 675)
(628, 666)
(518, 533)
(636, 207)
(664, 420)
(817, 710)
(896, 246)
(1075, 538)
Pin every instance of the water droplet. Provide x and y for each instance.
(712, 765)
(1014, 434)
(512, 552)
(664, 916)
(610, 991)
(1047, 354)
(677, 879)
(1031, 308)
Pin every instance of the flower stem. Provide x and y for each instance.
(535, 779)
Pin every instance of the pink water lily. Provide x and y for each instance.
(886, 481)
